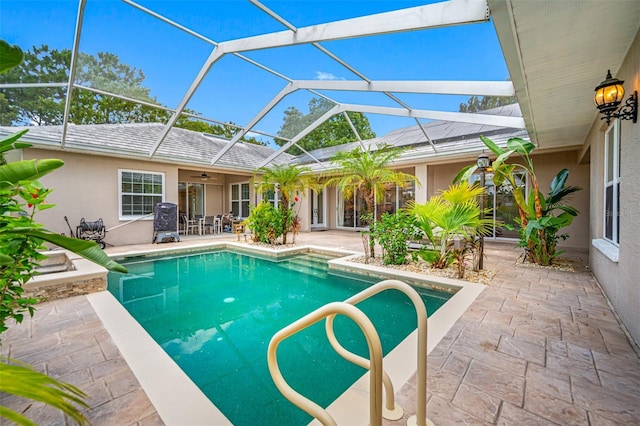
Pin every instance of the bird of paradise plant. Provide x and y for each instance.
(540, 217)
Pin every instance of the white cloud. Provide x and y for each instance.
(321, 75)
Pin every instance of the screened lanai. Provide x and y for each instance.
(184, 89)
(267, 72)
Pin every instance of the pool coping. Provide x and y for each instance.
(179, 401)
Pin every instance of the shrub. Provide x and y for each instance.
(450, 222)
(392, 232)
(265, 222)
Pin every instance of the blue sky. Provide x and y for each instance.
(235, 90)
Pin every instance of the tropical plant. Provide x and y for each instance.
(21, 238)
(265, 222)
(451, 222)
(22, 380)
(289, 181)
(540, 218)
(367, 172)
(392, 233)
(21, 242)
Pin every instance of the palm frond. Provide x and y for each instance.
(22, 380)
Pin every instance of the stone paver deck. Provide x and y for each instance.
(538, 347)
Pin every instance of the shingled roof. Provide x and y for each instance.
(449, 138)
(136, 141)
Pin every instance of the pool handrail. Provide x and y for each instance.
(326, 311)
(391, 410)
(375, 354)
(420, 419)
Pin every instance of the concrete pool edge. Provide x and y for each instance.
(242, 247)
(352, 407)
(173, 393)
(175, 397)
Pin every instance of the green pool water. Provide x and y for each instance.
(214, 313)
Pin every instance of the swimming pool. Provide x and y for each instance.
(214, 314)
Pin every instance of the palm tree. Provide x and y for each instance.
(454, 213)
(367, 172)
(289, 181)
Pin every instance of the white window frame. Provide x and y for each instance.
(240, 200)
(608, 246)
(612, 136)
(146, 216)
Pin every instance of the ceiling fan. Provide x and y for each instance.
(204, 176)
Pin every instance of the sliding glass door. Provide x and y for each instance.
(191, 199)
(351, 210)
(502, 204)
(318, 213)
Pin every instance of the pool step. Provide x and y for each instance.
(306, 265)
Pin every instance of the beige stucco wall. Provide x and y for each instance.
(620, 280)
(87, 187)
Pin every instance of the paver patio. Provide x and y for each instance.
(538, 346)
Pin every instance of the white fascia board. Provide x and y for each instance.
(327, 115)
(471, 88)
(246, 129)
(435, 15)
(462, 117)
(507, 32)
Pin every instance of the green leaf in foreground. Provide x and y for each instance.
(23, 381)
(87, 249)
(10, 56)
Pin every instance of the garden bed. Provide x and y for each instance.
(421, 267)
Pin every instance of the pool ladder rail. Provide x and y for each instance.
(378, 377)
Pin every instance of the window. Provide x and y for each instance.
(240, 199)
(612, 183)
(270, 197)
(139, 192)
(502, 204)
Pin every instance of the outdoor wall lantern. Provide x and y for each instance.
(483, 164)
(609, 95)
(483, 161)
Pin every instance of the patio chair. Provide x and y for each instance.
(189, 225)
(218, 224)
(209, 225)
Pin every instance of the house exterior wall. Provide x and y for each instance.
(214, 202)
(87, 187)
(619, 279)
